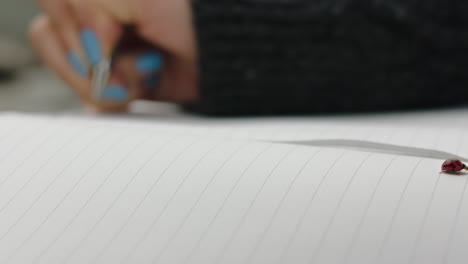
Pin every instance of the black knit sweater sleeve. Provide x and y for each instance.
(306, 56)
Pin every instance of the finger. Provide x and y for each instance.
(142, 69)
(168, 25)
(99, 31)
(123, 74)
(99, 34)
(47, 45)
(158, 77)
(63, 22)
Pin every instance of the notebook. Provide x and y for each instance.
(329, 190)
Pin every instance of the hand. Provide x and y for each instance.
(159, 57)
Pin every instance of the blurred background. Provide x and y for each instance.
(24, 84)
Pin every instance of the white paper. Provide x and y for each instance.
(74, 190)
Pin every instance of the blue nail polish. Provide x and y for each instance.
(77, 65)
(91, 45)
(149, 63)
(115, 92)
(151, 82)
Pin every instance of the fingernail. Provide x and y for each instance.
(91, 45)
(148, 63)
(151, 82)
(115, 92)
(77, 65)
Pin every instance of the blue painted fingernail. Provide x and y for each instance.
(77, 65)
(115, 92)
(152, 81)
(91, 45)
(148, 63)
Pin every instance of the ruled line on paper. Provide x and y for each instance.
(423, 153)
(86, 146)
(455, 222)
(277, 209)
(95, 225)
(36, 172)
(309, 204)
(335, 211)
(186, 217)
(357, 231)
(156, 220)
(394, 215)
(249, 208)
(90, 198)
(15, 147)
(75, 185)
(136, 208)
(22, 141)
(424, 220)
(228, 196)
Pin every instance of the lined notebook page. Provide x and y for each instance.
(438, 130)
(77, 191)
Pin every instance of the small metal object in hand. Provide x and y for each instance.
(101, 74)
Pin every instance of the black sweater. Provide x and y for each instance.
(308, 56)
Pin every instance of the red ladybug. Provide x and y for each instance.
(453, 165)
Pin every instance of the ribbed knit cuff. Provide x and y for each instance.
(276, 58)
